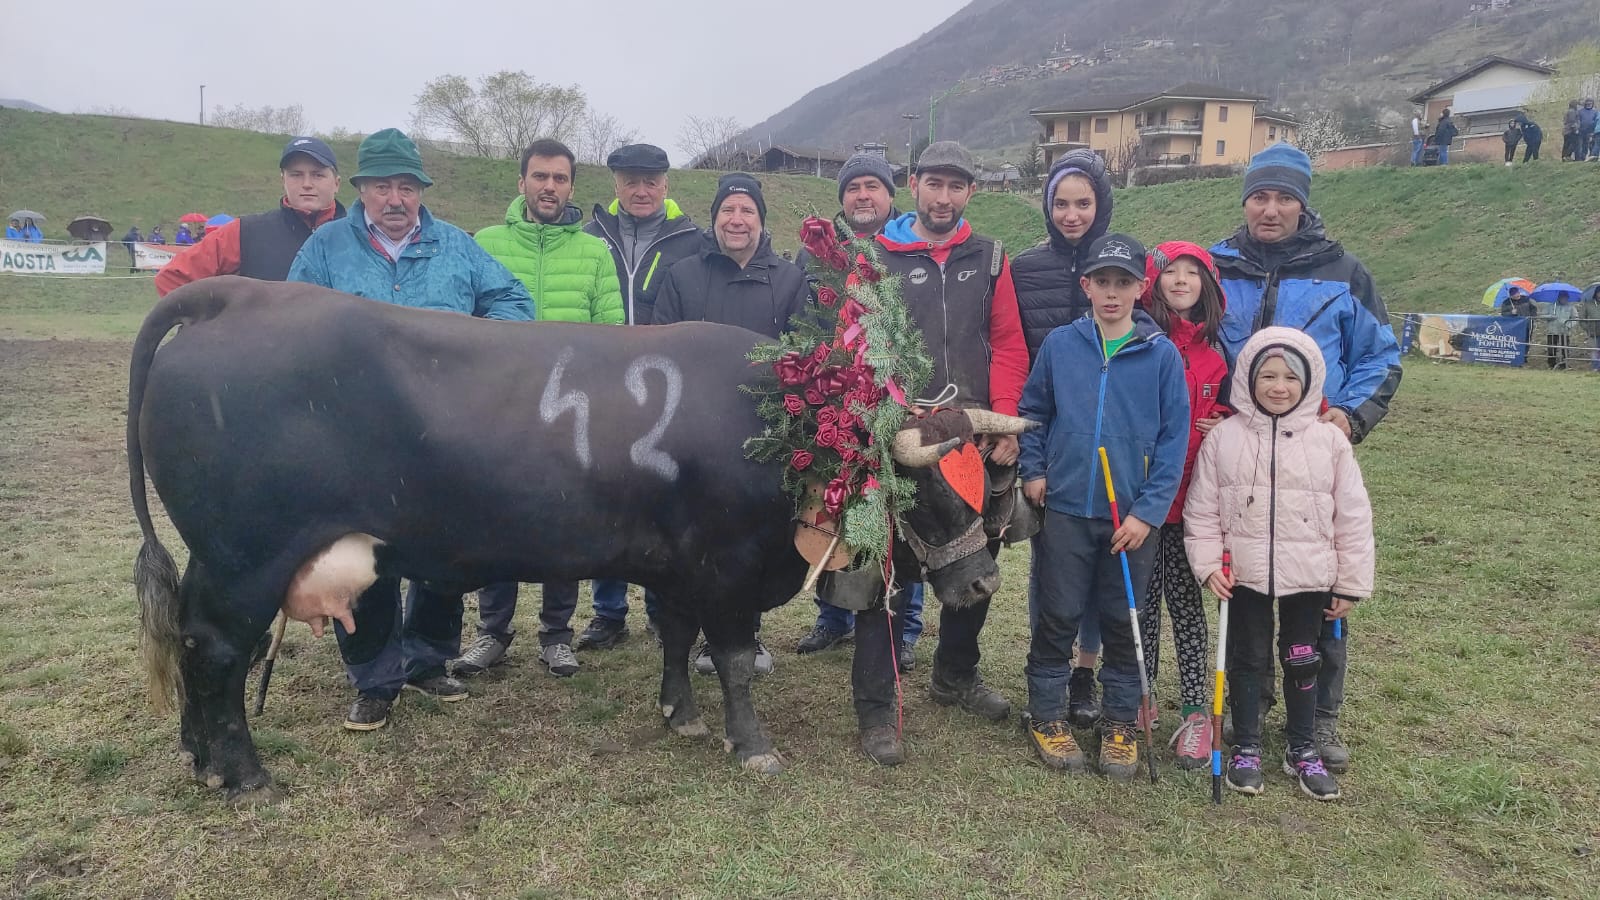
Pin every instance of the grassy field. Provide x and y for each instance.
(1434, 238)
(1476, 741)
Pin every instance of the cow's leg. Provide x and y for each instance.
(220, 626)
(678, 627)
(733, 646)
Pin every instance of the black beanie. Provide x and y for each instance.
(739, 183)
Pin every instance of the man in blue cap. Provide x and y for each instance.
(1281, 268)
(264, 245)
(390, 248)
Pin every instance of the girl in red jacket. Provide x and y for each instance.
(1185, 298)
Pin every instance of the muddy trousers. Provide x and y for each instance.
(874, 668)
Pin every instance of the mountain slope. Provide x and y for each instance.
(1336, 54)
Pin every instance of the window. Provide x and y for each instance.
(1272, 132)
(1138, 120)
(1074, 131)
(1102, 125)
(1222, 147)
(1222, 114)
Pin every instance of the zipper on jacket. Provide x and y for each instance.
(653, 263)
(1099, 415)
(632, 270)
(1272, 513)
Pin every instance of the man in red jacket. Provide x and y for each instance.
(264, 245)
(957, 287)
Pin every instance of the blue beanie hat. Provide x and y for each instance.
(1281, 167)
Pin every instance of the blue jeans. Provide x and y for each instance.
(380, 657)
(840, 620)
(1072, 574)
(1416, 151)
(611, 600)
(1444, 154)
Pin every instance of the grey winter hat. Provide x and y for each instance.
(1290, 357)
(866, 164)
(948, 155)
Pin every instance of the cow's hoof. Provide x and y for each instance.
(694, 728)
(763, 763)
(264, 794)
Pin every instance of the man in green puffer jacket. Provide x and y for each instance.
(571, 277)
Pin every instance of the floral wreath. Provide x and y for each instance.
(835, 393)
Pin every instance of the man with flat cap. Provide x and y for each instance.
(647, 233)
(264, 245)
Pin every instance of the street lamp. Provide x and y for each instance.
(911, 124)
(202, 104)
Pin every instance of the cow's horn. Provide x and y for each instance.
(987, 422)
(909, 451)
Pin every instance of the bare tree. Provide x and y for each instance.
(713, 141)
(505, 112)
(1320, 132)
(266, 119)
(599, 135)
(1122, 161)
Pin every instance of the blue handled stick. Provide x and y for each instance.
(1133, 614)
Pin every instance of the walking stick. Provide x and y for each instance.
(1216, 694)
(272, 657)
(1133, 615)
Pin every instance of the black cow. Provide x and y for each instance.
(306, 443)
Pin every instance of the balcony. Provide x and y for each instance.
(1167, 161)
(1176, 127)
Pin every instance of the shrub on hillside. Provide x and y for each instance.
(1146, 177)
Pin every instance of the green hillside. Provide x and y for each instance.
(145, 171)
(1434, 238)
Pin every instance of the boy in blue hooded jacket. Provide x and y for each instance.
(1111, 379)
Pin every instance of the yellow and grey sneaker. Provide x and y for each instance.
(1119, 750)
(1054, 743)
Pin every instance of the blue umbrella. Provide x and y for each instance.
(1551, 291)
(218, 220)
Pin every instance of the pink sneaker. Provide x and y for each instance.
(1192, 741)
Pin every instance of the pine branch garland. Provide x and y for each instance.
(834, 393)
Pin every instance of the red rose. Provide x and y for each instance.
(852, 311)
(865, 269)
(835, 495)
(828, 415)
(872, 483)
(827, 436)
(815, 397)
(848, 419)
(793, 404)
(827, 296)
(823, 351)
(818, 237)
(800, 459)
(788, 369)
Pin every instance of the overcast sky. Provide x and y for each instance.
(650, 63)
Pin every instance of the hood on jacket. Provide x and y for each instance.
(897, 234)
(1310, 241)
(1091, 165)
(1290, 340)
(517, 215)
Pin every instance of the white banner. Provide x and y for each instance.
(150, 257)
(53, 259)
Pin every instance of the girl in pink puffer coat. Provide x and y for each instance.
(1282, 493)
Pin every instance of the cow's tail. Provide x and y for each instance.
(155, 575)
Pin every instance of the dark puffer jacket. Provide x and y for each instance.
(1046, 276)
(711, 287)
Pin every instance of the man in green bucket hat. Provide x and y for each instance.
(390, 248)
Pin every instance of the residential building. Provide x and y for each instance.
(1484, 95)
(1191, 124)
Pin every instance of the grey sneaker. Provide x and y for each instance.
(368, 713)
(562, 661)
(485, 652)
(704, 664)
(1335, 755)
